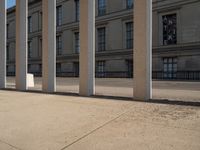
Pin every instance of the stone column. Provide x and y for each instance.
(87, 48)
(143, 49)
(21, 44)
(49, 45)
(3, 44)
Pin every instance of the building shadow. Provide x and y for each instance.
(152, 101)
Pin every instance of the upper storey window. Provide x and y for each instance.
(101, 7)
(129, 4)
(59, 15)
(77, 11)
(129, 35)
(30, 24)
(101, 33)
(58, 45)
(169, 29)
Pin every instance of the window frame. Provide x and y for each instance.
(170, 67)
(59, 15)
(101, 7)
(76, 42)
(30, 49)
(77, 10)
(58, 45)
(129, 35)
(129, 4)
(30, 24)
(101, 39)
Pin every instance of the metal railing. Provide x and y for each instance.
(179, 75)
(160, 75)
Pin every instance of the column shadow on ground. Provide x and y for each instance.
(156, 101)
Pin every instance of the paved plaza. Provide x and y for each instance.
(38, 121)
(123, 87)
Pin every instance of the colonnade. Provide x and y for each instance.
(142, 47)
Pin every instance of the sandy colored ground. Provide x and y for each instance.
(33, 121)
(172, 90)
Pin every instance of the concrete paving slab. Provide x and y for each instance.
(32, 121)
(6, 146)
(156, 127)
(48, 122)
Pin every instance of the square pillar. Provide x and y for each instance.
(143, 49)
(87, 48)
(21, 44)
(3, 43)
(49, 45)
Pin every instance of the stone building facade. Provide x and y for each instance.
(176, 38)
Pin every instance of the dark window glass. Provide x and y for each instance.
(101, 7)
(170, 67)
(7, 30)
(58, 15)
(77, 42)
(77, 10)
(29, 24)
(101, 39)
(129, 35)
(100, 68)
(58, 67)
(30, 49)
(129, 68)
(129, 4)
(7, 52)
(59, 45)
(76, 69)
(169, 29)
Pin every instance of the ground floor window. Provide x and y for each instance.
(100, 68)
(129, 64)
(58, 67)
(170, 67)
(76, 69)
(77, 42)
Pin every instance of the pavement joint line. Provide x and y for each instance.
(94, 130)
(10, 145)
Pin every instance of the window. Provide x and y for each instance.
(29, 67)
(101, 39)
(58, 45)
(7, 30)
(30, 23)
(170, 67)
(7, 51)
(58, 67)
(100, 68)
(40, 48)
(129, 68)
(30, 49)
(76, 69)
(129, 35)
(58, 15)
(77, 10)
(40, 68)
(77, 42)
(101, 7)
(40, 20)
(169, 29)
(129, 4)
